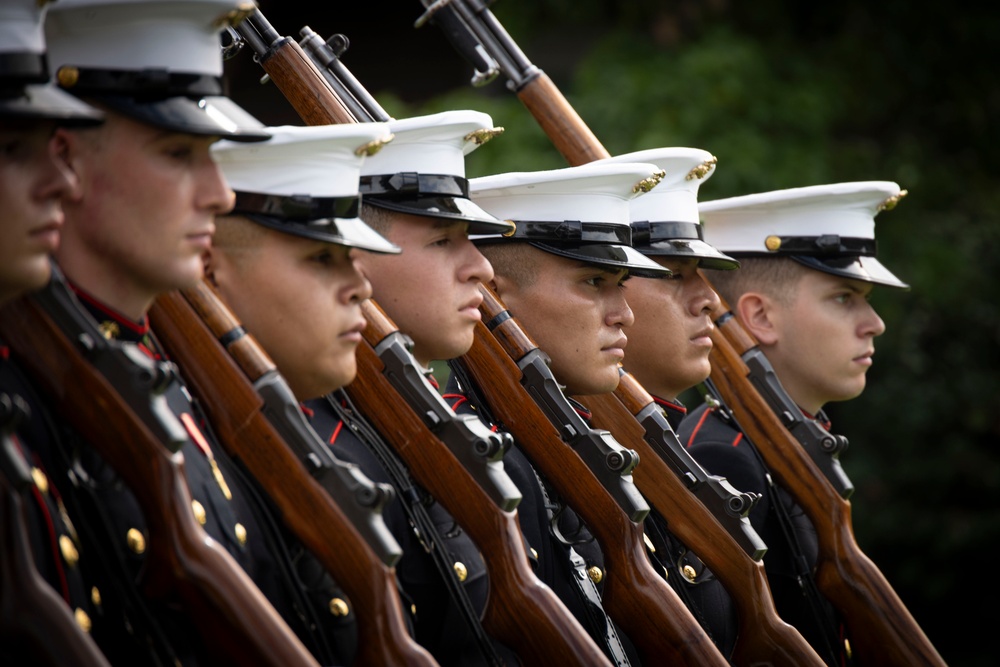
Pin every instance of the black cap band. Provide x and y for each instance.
(296, 207)
(22, 68)
(150, 83)
(412, 185)
(827, 244)
(645, 232)
(571, 231)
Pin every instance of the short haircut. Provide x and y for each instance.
(775, 277)
(514, 261)
(236, 235)
(377, 218)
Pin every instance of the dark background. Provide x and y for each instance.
(788, 94)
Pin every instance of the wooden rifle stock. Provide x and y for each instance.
(880, 627)
(183, 564)
(635, 596)
(560, 121)
(34, 621)
(763, 639)
(294, 73)
(189, 326)
(521, 611)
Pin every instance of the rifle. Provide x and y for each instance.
(112, 394)
(732, 553)
(880, 626)
(34, 620)
(235, 379)
(592, 472)
(458, 460)
(483, 33)
(455, 458)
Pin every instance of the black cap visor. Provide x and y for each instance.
(856, 267)
(329, 219)
(46, 102)
(350, 232)
(708, 257)
(432, 195)
(610, 256)
(679, 239)
(452, 208)
(212, 115)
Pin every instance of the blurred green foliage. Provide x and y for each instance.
(789, 94)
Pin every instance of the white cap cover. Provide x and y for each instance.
(665, 220)
(304, 181)
(577, 212)
(828, 227)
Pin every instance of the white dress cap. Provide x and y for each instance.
(422, 172)
(21, 27)
(665, 220)
(314, 161)
(24, 74)
(177, 35)
(304, 180)
(578, 212)
(158, 61)
(828, 227)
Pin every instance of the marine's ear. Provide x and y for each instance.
(759, 315)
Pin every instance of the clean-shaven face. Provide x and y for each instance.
(669, 342)
(824, 339)
(430, 290)
(576, 313)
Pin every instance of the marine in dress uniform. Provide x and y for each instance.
(421, 172)
(28, 100)
(302, 182)
(830, 229)
(157, 63)
(665, 227)
(579, 214)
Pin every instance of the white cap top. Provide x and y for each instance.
(578, 212)
(595, 192)
(675, 198)
(434, 144)
(830, 228)
(21, 26)
(848, 210)
(665, 220)
(315, 161)
(180, 35)
(305, 181)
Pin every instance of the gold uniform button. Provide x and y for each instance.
(595, 574)
(136, 541)
(199, 512)
(67, 76)
(461, 571)
(772, 243)
(689, 572)
(110, 329)
(241, 534)
(413, 609)
(68, 549)
(82, 619)
(847, 642)
(338, 607)
(41, 481)
(534, 554)
(95, 596)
